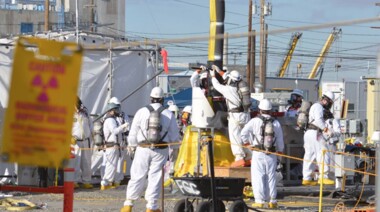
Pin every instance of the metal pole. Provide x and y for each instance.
(253, 61)
(321, 180)
(162, 190)
(92, 16)
(46, 24)
(225, 51)
(249, 44)
(102, 114)
(76, 20)
(265, 57)
(212, 173)
(111, 75)
(157, 53)
(377, 179)
(262, 59)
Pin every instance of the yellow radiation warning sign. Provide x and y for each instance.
(39, 116)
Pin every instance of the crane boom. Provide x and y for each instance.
(292, 45)
(324, 52)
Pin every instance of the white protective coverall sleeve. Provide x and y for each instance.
(194, 79)
(229, 92)
(112, 129)
(316, 116)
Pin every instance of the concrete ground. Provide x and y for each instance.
(296, 198)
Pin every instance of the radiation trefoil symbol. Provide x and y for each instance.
(51, 84)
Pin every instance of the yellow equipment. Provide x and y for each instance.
(334, 34)
(186, 162)
(292, 45)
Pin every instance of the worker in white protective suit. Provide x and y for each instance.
(175, 110)
(113, 135)
(149, 159)
(314, 143)
(121, 119)
(331, 139)
(295, 102)
(237, 118)
(174, 149)
(81, 142)
(185, 118)
(264, 163)
(98, 162)
(195, 78)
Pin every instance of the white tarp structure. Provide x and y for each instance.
(105, 73)
(116, 73)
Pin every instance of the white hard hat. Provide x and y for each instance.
(114, 100)
(187, 109)
(329, 95)
(297, 92)
(173, 108)
(111, 106)
(265, 104)
(235, 75)
(157, 93)
(170, 102)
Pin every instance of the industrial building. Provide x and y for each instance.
(28, 16)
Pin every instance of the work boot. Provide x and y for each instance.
(326, 181)
(116, 185)
(105, 187)
(87, 186)
(126, 208)
(76, 185)
(151, 210)
(258, 205)
(273, 205)
(309, 182)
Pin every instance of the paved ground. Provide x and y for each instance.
(290, 199)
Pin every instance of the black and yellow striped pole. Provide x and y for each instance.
(215, 44)
(215, 49)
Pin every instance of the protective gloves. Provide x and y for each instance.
(215, 68)
(73, 140)
(203, 68)
(125, 127)
(212, 73)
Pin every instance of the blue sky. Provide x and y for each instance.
(355, 51)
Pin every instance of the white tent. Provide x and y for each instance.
(105, 73)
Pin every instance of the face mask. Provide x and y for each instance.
(328, 105)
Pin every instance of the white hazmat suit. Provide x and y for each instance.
(236, 120)
(81, 131)
(149, 161)
(113, 138)
(314, 143)
(263, 166)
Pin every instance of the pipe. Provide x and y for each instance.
(377, 179)
(321, 181)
